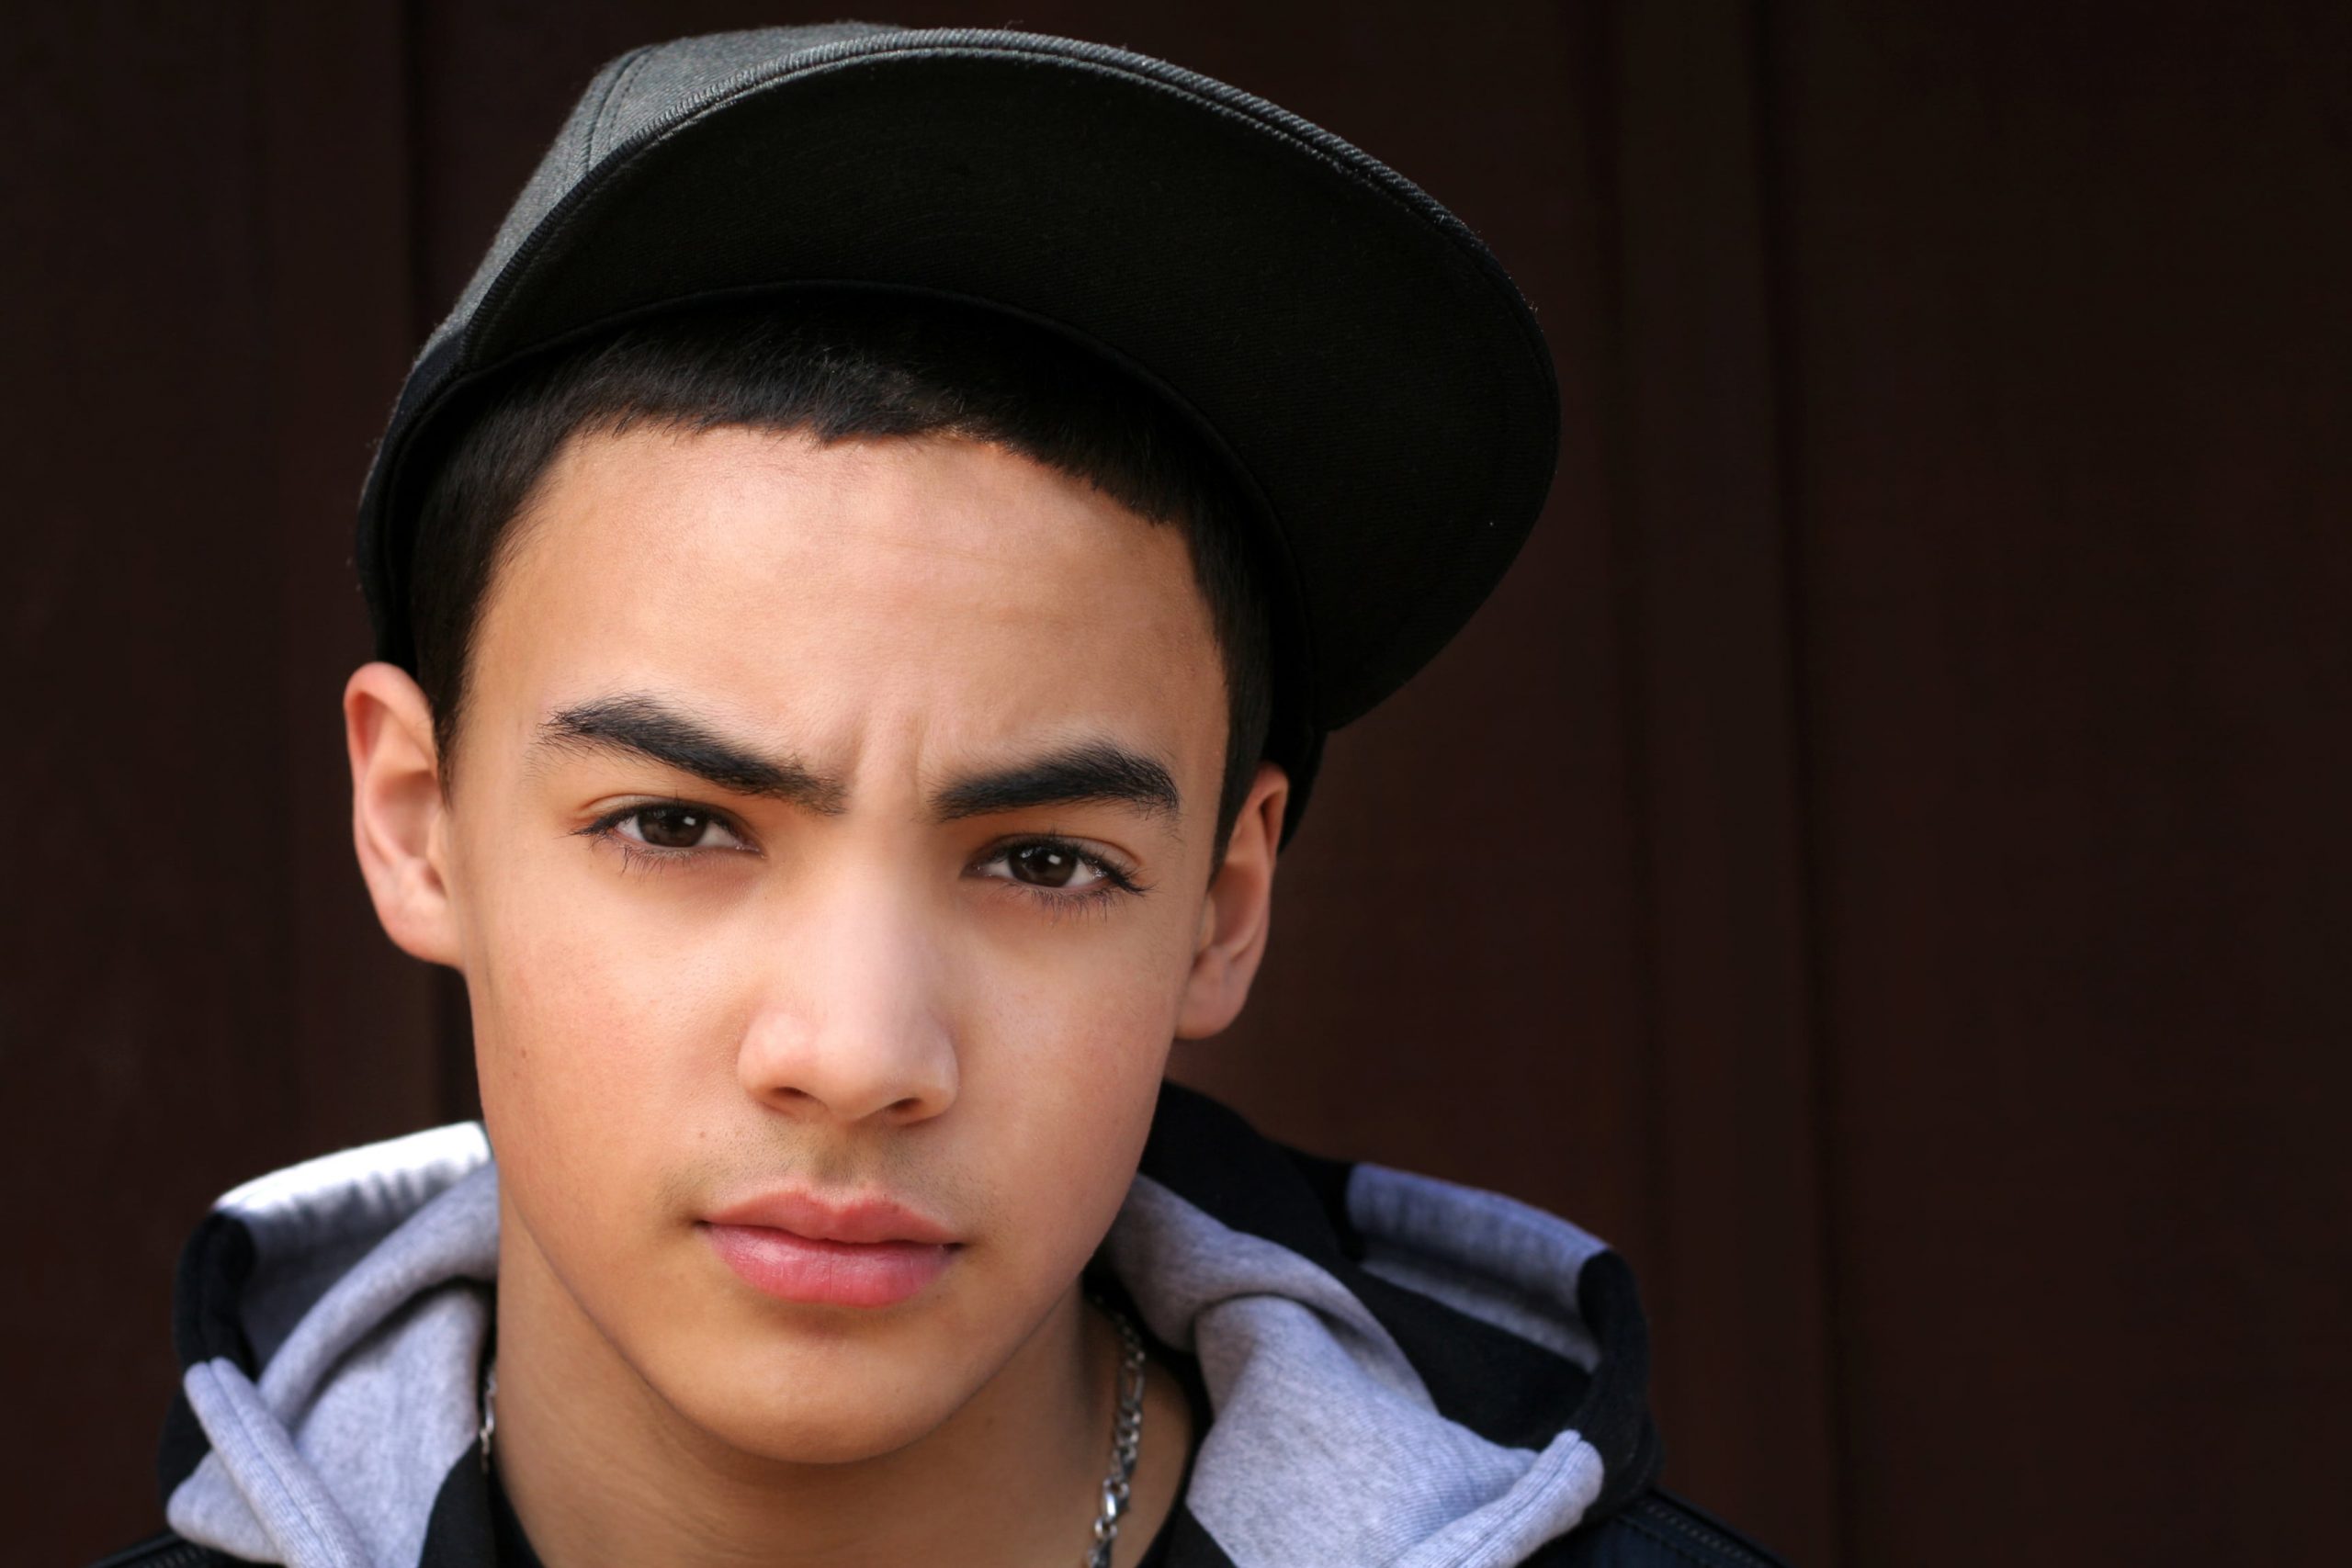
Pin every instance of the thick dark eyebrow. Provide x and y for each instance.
(1096, 771)
(643, 725)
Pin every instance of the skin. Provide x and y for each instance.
(840, 989)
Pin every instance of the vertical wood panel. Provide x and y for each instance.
(143, 939)
(1738, 1285)
(2070, 345)
(191, 989)
(338, 329)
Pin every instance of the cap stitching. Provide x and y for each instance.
(609, 107)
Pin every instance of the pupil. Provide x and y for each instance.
(1044, 864)
(672, 827)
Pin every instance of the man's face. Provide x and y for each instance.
(831, 827)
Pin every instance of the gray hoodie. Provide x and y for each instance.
(1399, 1370)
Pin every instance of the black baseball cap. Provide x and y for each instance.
(1376, 381)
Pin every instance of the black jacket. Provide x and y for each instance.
(1487, 1361)
(1653, 1530)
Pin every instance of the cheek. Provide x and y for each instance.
(1061, 1057)
(595, 1040)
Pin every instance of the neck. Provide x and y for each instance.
(603, 1469)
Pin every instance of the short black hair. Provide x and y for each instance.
(838, 366)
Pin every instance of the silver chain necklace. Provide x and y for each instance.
(1127, 1434)
(1127, 1440)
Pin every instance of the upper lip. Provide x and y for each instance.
(868, 1219)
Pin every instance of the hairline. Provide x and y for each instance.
(845, 369)
(514, 532)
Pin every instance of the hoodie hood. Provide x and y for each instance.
(1400, 1370)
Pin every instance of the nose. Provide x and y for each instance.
(852, 1020)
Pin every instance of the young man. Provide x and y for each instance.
(862, 579)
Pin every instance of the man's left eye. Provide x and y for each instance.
(676, 827)
(1050, 865)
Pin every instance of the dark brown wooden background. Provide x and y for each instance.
(1882, 859)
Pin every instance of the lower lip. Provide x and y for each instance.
(827, 1273)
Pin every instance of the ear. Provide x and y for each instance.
(1238, 907)
(399, 819)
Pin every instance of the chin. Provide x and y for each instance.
(821, 1421)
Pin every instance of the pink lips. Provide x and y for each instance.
(870, 1253)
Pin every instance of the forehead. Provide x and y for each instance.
(838, 592)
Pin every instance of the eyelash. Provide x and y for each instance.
(1117, 881)
(636, 856)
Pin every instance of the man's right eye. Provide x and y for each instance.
(673, 827)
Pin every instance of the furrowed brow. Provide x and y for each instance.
(1095, 772)
(646, 726)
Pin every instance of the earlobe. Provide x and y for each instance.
(1239, 907)
(397, 811)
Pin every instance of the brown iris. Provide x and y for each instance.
(671, 827)
(1046, 865)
